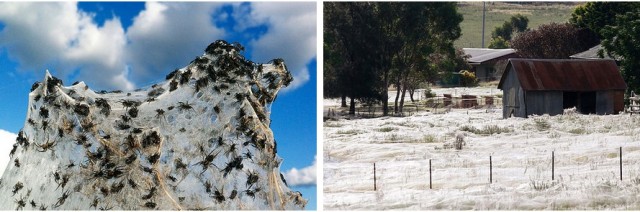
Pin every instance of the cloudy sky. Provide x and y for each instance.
(128, 45)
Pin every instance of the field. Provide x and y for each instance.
(459, 144)
(499, 12)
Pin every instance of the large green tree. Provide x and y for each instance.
(369, 46)
(350, 35)
(622, 39)
(501, 35)
(595, 16)
(425, 29)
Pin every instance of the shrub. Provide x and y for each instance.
(468, 79)
(386, 129)
(459, 143)
(486, 130)
(541, 124)
(429, 139)
(578, 131)
(428, 93)
(540, 185)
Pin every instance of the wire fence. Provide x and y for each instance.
(438, 104)
(540, 172)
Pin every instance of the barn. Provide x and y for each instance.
(547, 86)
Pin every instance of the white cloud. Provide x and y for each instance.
(303, 177)
(59, 37)
(291, 35)
(7, 139)
(164, 36)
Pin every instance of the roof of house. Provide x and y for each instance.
(591, 53)
(479, 55)
(566, 74)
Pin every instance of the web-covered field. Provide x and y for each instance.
(586, 151)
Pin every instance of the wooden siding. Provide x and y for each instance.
(543, 102)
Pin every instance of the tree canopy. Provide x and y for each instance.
(553, 41)
(501, 35)
(595, 16)
(622, 39)
(370, 46)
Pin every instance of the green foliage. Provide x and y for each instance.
(542, 124)
(623, 40)
(517, 23)
(486, 130)
(370, 45)
(553, 41)
(498, 43)
(503, 31)
(428, 93)
(498, 12)
(468, 79)
(597, 15)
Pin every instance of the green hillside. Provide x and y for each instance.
(499, 12)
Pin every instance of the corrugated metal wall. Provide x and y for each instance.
(618, 101)
(512, 97)
(543, 102)
(604, 102)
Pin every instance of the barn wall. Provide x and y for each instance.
(618, 101)
(513, 96)
(543, 102)
(604, 102)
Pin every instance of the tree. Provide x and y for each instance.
(424, 29)
(349, 30)
(503, 31)
(553, 41)
(370, 45)
(498, 43)
(501, 35)
(622, 38)
(519, 22)
(595, 16)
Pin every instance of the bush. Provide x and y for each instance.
(428, 93)
(486, 130)
(468, 79)
(459, 143)
(542, 124)
(540, 185)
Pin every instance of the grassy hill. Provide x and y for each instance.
(498, 12)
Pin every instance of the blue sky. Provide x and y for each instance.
(126, 45)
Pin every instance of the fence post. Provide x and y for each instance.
(374, 176)
(430, 185)
(620, 163)
(490, 170)
(553, 164)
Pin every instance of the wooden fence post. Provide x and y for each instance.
(374, 176)
(430, 185)
(553, 165)
(490, 170)
(620, 163)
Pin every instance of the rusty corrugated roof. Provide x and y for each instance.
(566, 75)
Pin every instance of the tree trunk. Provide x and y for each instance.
(404, 91)
(385, 95)
(352, 107)
(344, 100)
(411, 92)
(395, 103)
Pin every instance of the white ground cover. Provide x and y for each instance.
(586, 162)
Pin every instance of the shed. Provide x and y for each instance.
(483, 61)
(548, 86)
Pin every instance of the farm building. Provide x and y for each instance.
(483, 61)
(547, 86)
